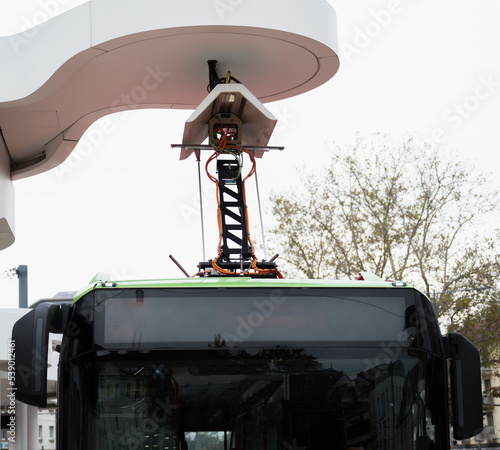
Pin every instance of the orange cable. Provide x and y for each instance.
(220, 149)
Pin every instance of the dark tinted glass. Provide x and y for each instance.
(169, 318)
(260, 399)
(308, 368)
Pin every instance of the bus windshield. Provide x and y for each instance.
(179, 387)
(165, 318)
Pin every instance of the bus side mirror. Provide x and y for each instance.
(466, 395)
(31, 337)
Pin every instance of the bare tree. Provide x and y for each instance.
(401, 212)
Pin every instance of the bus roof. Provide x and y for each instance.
(235, 282)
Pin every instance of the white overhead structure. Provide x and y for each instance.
(6, 200)
(107, 56)
(235, 100)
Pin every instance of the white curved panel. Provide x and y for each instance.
(112, 55)
(314, 19)
(6, 200)
(33, 56)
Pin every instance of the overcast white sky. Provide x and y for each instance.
(424, 67)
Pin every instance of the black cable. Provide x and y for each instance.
(210, 87)
(214, 79)
(212, 74)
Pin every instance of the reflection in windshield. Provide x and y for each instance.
(270, 399)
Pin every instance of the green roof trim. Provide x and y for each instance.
(232, 282)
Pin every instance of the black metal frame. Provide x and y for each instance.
(236, 253)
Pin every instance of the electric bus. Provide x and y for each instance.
(236, 363)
